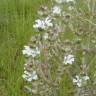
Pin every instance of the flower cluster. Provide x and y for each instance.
(59, 43)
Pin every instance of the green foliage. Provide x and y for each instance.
(16, 21)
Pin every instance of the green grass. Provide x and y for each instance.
(16, 21)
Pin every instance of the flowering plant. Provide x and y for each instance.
(64, 44)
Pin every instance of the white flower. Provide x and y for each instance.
(69, 59)
(60, 1)
(39, 24)
(71, 8)
(27, 51)
(45, 36)
(86, 77)
(80, 80)
(56, 10)
(48, 22)
(30, 76)
(43, 24)
(31, 52)
(69, 0)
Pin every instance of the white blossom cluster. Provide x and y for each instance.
(30, 75)
(50, 45)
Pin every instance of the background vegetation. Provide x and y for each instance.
(16, 21)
